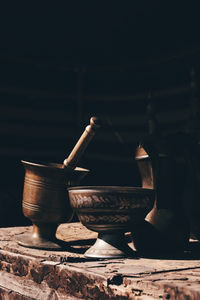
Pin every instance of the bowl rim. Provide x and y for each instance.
(51, 165)
(110, 188)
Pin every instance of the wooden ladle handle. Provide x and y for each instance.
(81, 145)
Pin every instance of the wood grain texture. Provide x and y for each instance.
(38, 274)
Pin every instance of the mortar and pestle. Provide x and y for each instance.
(45, 195)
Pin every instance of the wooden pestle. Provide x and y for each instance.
(78, 150)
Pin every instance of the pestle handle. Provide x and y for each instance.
(81, 145)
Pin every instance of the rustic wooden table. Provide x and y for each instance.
(39, 274)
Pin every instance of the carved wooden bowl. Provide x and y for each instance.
(110, 211)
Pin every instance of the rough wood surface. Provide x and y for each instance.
(40, 274)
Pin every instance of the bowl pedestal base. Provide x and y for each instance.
(43, 236)
(110, 245)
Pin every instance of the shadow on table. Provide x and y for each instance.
(77, 246)
(150, 243)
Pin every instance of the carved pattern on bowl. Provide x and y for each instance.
(118, 202)
(104, 219)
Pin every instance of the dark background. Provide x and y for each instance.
(59, 65)
(97, 33)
